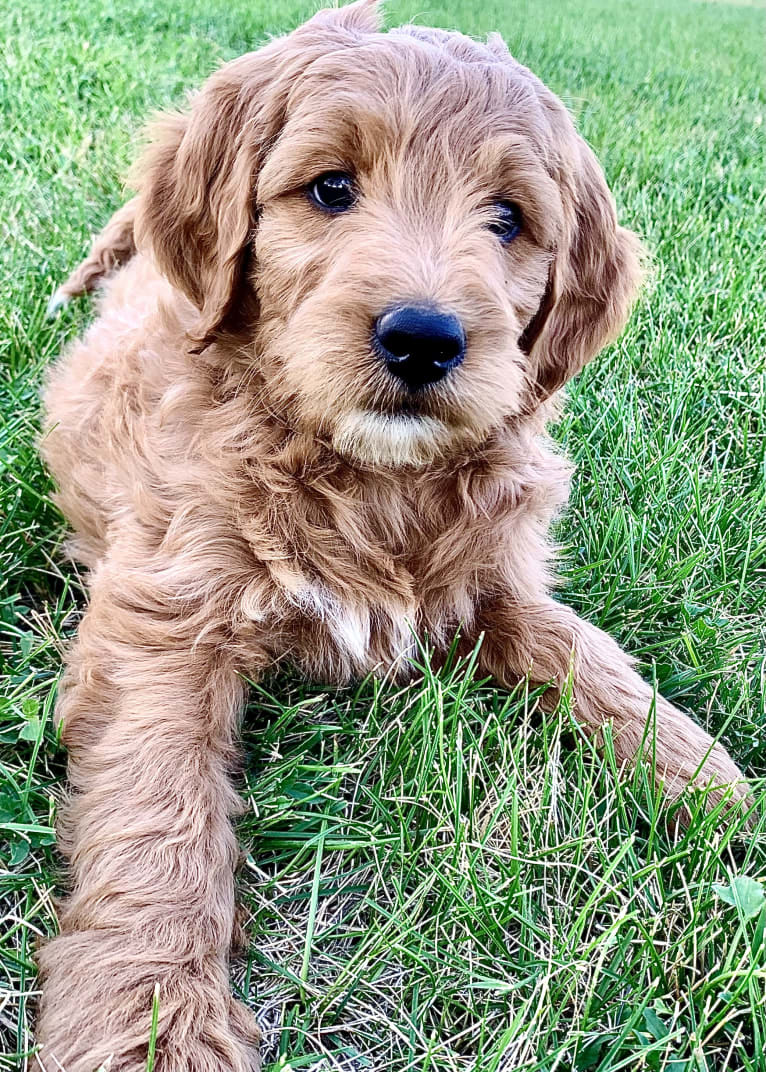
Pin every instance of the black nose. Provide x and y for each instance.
(418, 344)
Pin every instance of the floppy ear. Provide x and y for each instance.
(196, 180)
(592, 284)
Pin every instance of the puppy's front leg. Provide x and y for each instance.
(550, 642)
(150, 713)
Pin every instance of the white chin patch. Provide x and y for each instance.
(382, 439)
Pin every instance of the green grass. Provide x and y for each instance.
(441, 878)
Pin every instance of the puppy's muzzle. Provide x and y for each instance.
(419, 345)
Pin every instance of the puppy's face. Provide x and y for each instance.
(407, 226)
(406, 232)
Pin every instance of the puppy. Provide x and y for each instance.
(310, 419)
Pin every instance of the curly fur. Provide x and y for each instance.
(246, 486)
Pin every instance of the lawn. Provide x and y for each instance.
(443, 878)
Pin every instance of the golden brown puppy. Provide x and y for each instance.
(310, 416)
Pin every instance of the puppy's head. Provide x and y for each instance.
(405, 225)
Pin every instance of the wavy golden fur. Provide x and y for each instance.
(247, 484)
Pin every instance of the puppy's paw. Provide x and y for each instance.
(684, 755)
(215, 1046)
(97, 1010)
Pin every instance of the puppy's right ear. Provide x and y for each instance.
(196, 208)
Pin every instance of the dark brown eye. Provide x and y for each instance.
(334, 191)
(506, 221)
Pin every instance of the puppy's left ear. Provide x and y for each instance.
(593, 282)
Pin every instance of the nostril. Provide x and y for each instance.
(448, 351)
(397, 343)
(419, 344)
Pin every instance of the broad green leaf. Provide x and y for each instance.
(744, 893)
(654, 1025)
